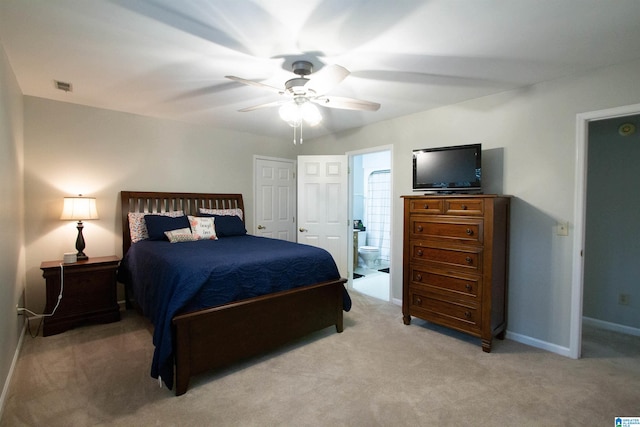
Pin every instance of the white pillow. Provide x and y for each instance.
(203, 228)
(138, 227)
(180, 235)
(236, 212)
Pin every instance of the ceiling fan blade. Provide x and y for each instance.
(267, 105)
(256, 84)
(326, 79)
(346, 103)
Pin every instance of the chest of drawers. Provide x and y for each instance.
(455, 263)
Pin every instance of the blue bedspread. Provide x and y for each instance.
(173, 278)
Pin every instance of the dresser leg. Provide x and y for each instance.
(486, 345)
(406, 319)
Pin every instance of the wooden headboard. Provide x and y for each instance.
(154, 202)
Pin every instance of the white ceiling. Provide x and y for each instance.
(168, 59)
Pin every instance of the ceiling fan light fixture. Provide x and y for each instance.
(298, 110)
(290, 113)
(310, 114)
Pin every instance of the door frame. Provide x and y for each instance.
(580, 213)
(350, 155)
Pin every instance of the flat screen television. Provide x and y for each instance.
(456, 169)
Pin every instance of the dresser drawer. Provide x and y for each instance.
(467, 258)
(460, 285)
(463, 230)
(444, 312)
(427, 206)
(473, 207)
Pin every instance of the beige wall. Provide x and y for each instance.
(529, 150)
(71, 149)
(12, 280)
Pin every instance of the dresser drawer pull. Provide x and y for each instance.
(419, 252)
(469, 232)
(426, 206)
(467, 314)
(419, 301)
(464, 207)
(469, 287)
(419, 228)
(418, 277)
(469, 260)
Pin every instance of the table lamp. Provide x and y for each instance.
(79, 208)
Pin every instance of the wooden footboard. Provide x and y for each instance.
(215, 337)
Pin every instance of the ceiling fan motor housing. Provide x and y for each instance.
(302, 68)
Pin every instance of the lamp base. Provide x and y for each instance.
(80, 244)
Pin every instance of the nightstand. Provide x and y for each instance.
(89, 293)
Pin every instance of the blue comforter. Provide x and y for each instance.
(168, 279)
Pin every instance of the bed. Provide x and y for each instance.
(198, 324)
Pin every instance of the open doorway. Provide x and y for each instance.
(582, 169)
(370, 189)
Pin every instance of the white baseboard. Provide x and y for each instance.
(7, 382)
(615, 327)
(543, 345)
(396, 301)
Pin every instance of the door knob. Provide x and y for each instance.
(261, 227)
(302, 230)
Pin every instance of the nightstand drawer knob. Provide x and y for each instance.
(419, 228)
(467, 314)
(464, 207)
(469, 287)
(419, 252)
(469, 260)
(418, 277)
(426, 206)
(418, 301)
(469, 232)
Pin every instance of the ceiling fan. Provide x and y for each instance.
(301, 93)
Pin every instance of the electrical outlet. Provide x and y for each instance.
(623, 299)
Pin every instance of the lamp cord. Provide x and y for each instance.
(42, 316)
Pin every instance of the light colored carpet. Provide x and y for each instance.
(378, 372)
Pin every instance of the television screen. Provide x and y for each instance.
(448, 169)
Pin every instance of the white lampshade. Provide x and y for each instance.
(79, 208)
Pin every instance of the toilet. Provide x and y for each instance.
(369, 254)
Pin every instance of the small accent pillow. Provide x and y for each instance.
(158, 224)
(203, 228)
(138, 227)
(181, 235)
(229, 225)
(222, 212)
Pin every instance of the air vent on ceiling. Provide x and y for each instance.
(63, 86)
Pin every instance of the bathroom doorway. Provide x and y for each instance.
(370, 189)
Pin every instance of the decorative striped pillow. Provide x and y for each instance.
(236, 212)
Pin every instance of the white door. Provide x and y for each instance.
(275, 198)
(322, 205)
